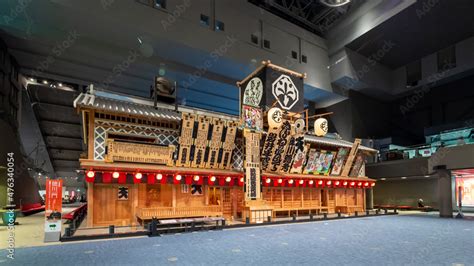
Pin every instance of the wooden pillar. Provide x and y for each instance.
(90, 204)
(206, 195)
(133, 219)
(173, 190)
(90, 145)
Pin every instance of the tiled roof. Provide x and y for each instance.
(86, 100)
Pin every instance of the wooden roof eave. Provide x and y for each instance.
(132, 167)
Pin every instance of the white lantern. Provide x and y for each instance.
(275, 117)
(320, 127)
(299, 126)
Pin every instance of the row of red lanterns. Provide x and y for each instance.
(229, 180)
(316, 183)
(153, 178)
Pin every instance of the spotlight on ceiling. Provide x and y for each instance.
(335, 3)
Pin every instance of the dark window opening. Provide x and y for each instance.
(447, 59)
(160, 4)
(254, 38)
(413, 73)
(220, 25)
(266, 44)
(204, 20)
(304, 59)
(294, 55)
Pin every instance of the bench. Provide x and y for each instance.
(191, 223)
(318, 209)
(76, 212)
(32, 208)
(349, 208)
(144, 214)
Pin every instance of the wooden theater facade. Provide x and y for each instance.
(174, 162)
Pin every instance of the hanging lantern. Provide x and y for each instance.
(320, 127)
(299, 126)
(115, 174)
(159, 176)
(372, 184)
(90, 174)
(228, 179)
(344, 183)
(275, 117)
(311, 182)
(337, 183)
(290, 181)
(138, 175)
(329, 182)
(359, 184)
(178, 177)
(213, 179)
(241, 180)
(280, 181)
(320, 182)
(366, 184)
(268, 180)
(196, 178)
(301, 182)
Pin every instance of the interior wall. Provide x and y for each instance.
(407, 192)
(25, 187)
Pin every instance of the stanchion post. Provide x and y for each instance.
(111, 229)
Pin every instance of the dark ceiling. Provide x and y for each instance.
(308, 14)
(60, 126)
(421, 29)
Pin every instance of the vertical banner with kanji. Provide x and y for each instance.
(53, 208)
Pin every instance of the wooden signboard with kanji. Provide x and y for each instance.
(228, 145)
(215, 142)
(186, 139)
(252, 166)
(200, 143)
(281, 142)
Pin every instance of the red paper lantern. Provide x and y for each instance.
(178, 177)
(90, 174)
(159, 177)
(268, 180)
(115, 175)
(352, 183)
(310, 182)
(366, 184)
(320, 182)
(196, 178)
(345, 183)
(138, 175)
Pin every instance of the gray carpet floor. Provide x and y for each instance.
(386, 240)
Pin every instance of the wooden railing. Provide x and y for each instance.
(179, 212)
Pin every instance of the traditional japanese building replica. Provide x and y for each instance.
(170, 161)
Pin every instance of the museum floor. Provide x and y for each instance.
(415, 239)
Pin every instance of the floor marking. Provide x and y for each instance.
(172, 259)
(88, 251)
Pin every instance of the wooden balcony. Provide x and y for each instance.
(179, 212)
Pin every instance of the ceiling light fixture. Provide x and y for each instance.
(334, 3)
